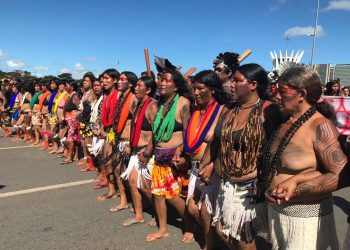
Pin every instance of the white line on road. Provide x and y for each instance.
(33, 190)
(18, 147)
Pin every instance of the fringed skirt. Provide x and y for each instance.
(240, 216)
(308, 225)
(143, 171)
(208, 193)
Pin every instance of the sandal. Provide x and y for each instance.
(129, 222)
(153, 237)
(66, 162)
(106, 196)
(117, 208)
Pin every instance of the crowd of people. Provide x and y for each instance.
(227, 148)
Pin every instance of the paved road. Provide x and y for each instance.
(70, 217)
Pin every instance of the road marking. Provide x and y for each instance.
(39, 189)
(18, 147)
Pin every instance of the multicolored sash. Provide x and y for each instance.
(197, 129)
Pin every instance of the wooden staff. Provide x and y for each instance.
(189, 72)
(244, 55)
(147, 63)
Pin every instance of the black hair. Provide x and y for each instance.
(180, 84)
(59, 81)
(132, 78)
(254, 72)
(329, 86)
(113, 73)
(210, 79)
(28, 87)
(229, 59)
(149, 83)
(145, 73)
(91, 76)
(303, 79)
(74, 85)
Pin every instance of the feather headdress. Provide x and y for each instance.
(162, 64)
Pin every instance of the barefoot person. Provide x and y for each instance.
(140, 167)
(110, 78)
(238, 140)
(70, 114)
(35, 114)
(123, 111)
(168, 130)
(210, 97)
(300, 210)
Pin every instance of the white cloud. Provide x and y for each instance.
(64, 70)
(41, 68)
(2, 54)
(277, 5)
(15, 63)
(78, 67)
(77, 71)
(90, 59)
(304, 31)
(338, 5)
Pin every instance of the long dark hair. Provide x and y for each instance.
(180, 84)
(303, 79)
(254, 72)
(149, 83)
(210, 79)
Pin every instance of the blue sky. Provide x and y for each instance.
(55, 36)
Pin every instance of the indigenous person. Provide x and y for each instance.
(23, 122)
(51, 119)
(70, 114)
(36, 119)
(210, 97)
(109, 78)
(225, 65)
(44, 111)
(124, 109)
(332, 88)
(56, 104)
(301, 166)
(239, 137)
(168, 130)
(58, 111)
(3, 106)
(140, 165)
(14, 107)
(85, 108)
(94, 124)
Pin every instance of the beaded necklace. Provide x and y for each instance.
(137, 122)
(198, 129)
(268, 168)
(241, 148)
(164, 125)
(121, 111)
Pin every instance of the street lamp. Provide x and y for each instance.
(314, 34)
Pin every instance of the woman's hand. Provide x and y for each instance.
(284, 191)
(205, 173)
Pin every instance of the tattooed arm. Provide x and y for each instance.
(335, 171)
(333, 160)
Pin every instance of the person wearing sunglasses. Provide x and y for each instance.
(225, 66)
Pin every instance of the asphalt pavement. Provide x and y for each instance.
(37, 213)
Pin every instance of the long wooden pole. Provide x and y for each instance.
(244, 55)
(189, 72)
(147, 63)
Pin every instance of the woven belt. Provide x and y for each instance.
(306, 209)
